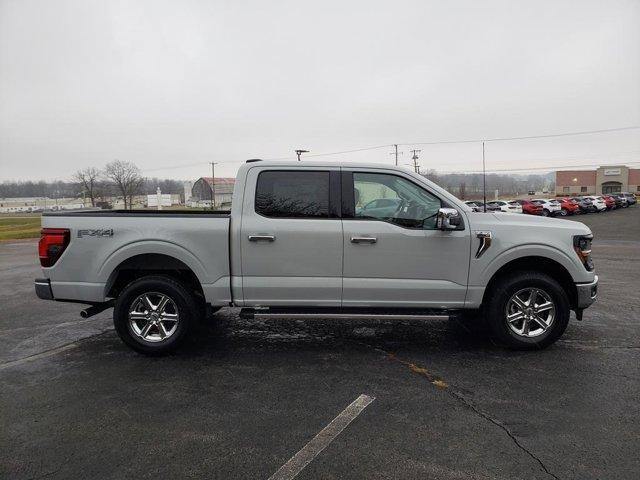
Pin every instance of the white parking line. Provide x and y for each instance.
(318, 443)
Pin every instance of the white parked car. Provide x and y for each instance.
(475, 206)
(509, 207)
(598, 202)
(550, 207)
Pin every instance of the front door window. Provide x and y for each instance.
(393, 199)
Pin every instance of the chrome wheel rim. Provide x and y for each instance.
(530, 312)
(153, 317)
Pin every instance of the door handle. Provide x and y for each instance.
(258, 238)
(369, 240)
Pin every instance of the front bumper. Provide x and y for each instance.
(587, 293)
(43, 288)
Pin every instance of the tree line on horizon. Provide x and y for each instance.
(468, 186)
(124, 179)
(118, 178)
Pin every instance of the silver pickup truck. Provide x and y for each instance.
(317, 240)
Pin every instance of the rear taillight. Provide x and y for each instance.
(53, 242)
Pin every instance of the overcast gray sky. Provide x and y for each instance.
(172, 83)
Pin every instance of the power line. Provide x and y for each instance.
(445, 142)
(173, 167)
(583, 158)
(530, 137)
(438, 142)
(334, 153)
(554, 168)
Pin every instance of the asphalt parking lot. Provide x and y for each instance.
(244, 397)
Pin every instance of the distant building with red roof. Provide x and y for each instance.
(204, 187)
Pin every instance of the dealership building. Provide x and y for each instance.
(604, 180)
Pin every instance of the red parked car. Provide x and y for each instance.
(609, 201)
(529, 207)
(569, 207)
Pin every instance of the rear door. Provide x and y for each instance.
(291, 237)
(399, 258)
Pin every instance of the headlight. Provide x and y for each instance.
(582, 246)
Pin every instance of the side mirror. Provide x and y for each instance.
(448, 219)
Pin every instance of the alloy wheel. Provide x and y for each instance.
(530, 312)
(153, 317)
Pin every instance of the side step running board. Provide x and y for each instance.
(344, 314)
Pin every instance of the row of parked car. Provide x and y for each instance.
(550, 207)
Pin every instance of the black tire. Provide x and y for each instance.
(545, 212)
(497, 303)
(563, 212)
(185, 304)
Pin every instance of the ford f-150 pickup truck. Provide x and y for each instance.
(319, 240)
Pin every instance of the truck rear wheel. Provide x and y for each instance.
(527, 310)
(153, 315)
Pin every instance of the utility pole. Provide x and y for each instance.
(415, 160)
(484, 181)
(396, 153)
(300, 152)
(213, 185)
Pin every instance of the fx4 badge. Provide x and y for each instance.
(101, 232)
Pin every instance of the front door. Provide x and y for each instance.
(291, 238)
(393, 254)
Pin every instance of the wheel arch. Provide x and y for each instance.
(145, 264)
(540, 264)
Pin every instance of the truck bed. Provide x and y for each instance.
(104, 241)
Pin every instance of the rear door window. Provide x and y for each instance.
(293, 194)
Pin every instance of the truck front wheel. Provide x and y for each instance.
(527, 310)
(153, 315)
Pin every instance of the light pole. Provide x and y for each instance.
(300, 152)
(484, 181)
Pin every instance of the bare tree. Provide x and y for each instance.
(126, 178)
(462, 190)
(88, 179)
